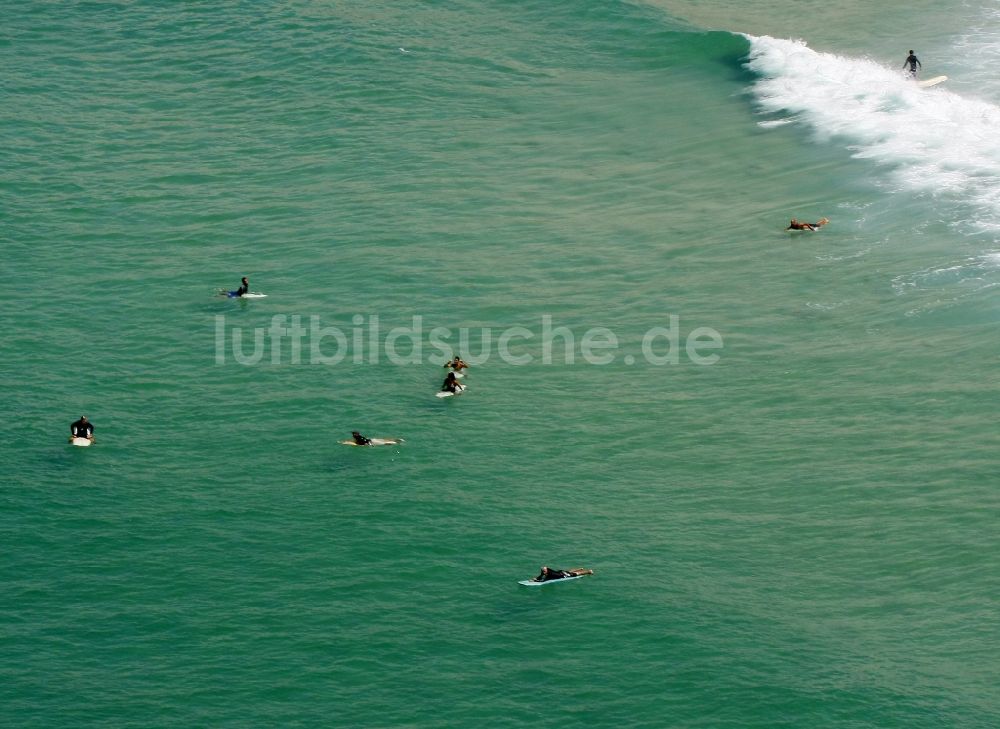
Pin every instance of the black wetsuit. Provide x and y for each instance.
(361, 440)
(81, 429)
(914, 62)
(552, 575)
(243, 289)
(450, 385)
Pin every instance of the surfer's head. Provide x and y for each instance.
(910, 51)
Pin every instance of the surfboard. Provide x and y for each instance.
(532, 583)
(82, 442)
(932, 81)
(248, 295)
(374, 442)
(445, 393)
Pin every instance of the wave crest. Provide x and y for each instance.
(929, 139)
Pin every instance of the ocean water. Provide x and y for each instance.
(795, 528)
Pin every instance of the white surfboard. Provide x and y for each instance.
(532, 583)
(932, 81)
(82, 442)
(445, 393)
(247, 295)
(374, 442)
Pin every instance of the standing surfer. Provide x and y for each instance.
(913, 62)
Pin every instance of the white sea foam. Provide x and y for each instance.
(930, 140)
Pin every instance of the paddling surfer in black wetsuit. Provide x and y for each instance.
(548, 573)
(913, 62)
(360, 439)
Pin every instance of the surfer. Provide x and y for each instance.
(360, 439)
(548, 573)
(457, 364)
(82, 428)
(913, 62)
(451, 383)
(239, 293)
(795, 224)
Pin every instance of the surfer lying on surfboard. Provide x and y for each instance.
(360, 440)
(548, 573)
(799, 225)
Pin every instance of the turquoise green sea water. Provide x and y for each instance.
(800, 534)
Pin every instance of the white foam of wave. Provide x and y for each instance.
(930, 140)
